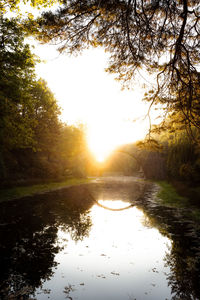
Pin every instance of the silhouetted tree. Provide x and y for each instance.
(160, 36)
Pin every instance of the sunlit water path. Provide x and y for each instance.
(121, 259)
(63, 246)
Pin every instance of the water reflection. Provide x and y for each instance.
(183, 258)
(120, 259)
(184, 276)
(28, 239)
(62, 245)
(114, 205)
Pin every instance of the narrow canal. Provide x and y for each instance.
(64, 245)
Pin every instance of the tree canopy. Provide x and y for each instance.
(14, 5)
(33, 141)
(160, 36)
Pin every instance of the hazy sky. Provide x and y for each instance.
(89, 95)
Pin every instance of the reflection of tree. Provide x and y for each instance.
(78, 228)
(183, 258)
(29, 261)
(28, 235)
(184, 277)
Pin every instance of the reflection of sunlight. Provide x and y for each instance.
(112, 234)
(115, 204)
(116, 220)
(118, 226)
(119, 256)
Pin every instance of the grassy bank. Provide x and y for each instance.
(168, 195)
(22, 191)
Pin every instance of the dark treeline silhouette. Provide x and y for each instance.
(161, 37)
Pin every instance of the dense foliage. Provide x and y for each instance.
(14, 5)
(172, 151)
(181, 152)
(33, 141)
(159, 36)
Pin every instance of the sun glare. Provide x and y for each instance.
(90, 96)
(101, 146)
(106, 136)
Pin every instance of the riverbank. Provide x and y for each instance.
(129, 188)
(68, 223)
(179, 195)
(24, 191)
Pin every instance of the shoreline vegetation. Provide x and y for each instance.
(18, 192)
(178, 195)
(174, 195)
(169, 196)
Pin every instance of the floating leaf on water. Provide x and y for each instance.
(69, 288)
(46, 291)
(114, 273)
(101, 276)
(154, 270)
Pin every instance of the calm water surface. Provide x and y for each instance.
(120, 259)
(55, 249)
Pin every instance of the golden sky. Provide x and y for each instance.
(89, 95)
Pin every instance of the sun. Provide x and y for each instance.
(101, 146)
(100, 140)
(105, 137)
(92, 97)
